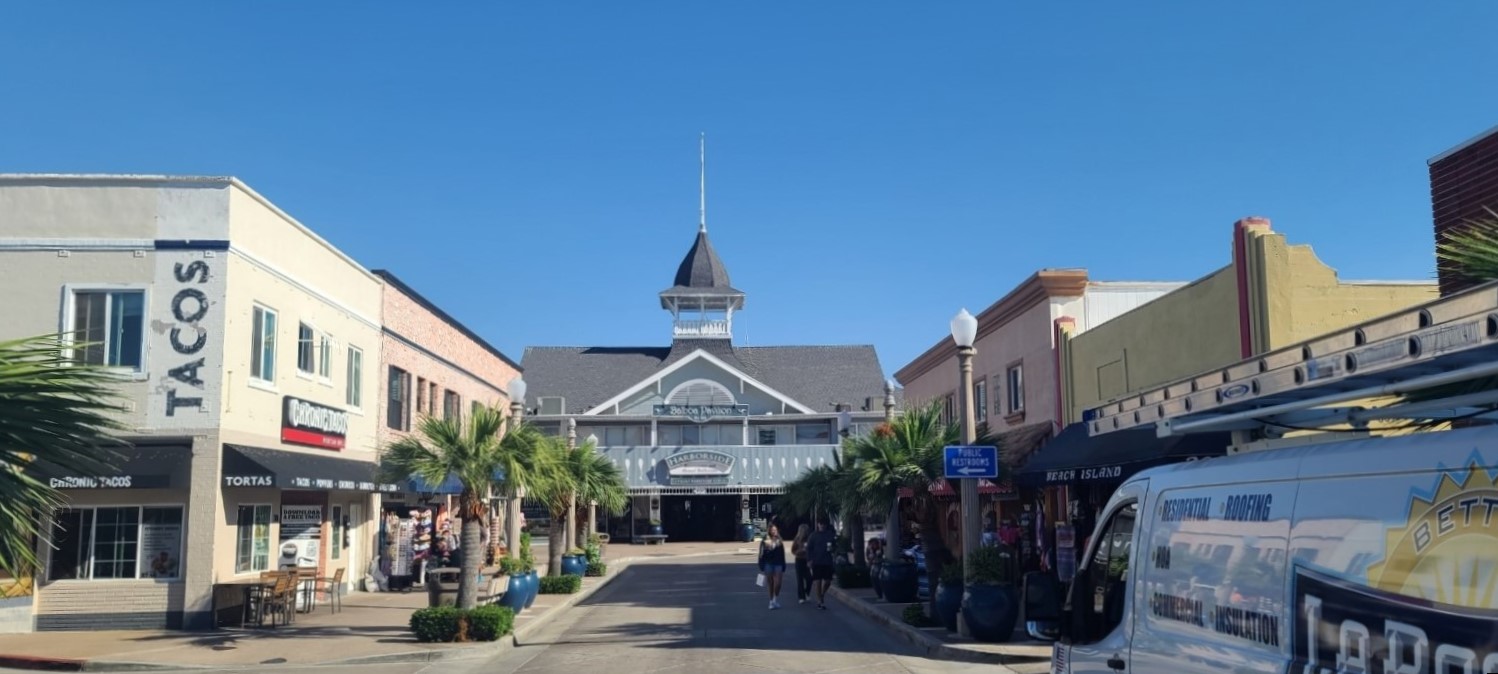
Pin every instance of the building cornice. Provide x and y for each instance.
(1039, 287)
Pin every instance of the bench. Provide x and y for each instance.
(653, 538)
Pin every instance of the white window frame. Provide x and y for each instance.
(325, 348)
(311, 370)
(353, 378)
(271, 519)
(1014, 379)
(69, 308)
(336, 531)
(257, 344)
(88, 561)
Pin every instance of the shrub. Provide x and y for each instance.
(850, 576)
(437, 624)
(490, 622)
(525, 551)
(991, 565)
(575, 552)
(915, 616)
(561, 584)
(951, 573)
(511, 566)
(594, 554)
(597, 569)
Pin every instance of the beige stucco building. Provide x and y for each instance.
(249, 351)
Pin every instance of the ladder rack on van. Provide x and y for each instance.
(1450, 340)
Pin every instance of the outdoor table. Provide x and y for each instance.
(245, 592)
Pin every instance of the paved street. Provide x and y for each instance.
(706, 615)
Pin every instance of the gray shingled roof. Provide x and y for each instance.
(701, 273)
(819, 377)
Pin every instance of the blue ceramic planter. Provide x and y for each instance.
(574, 565)
(948, 603)
(532, 587)
(990, 611)
(515, 593)
(899, 582)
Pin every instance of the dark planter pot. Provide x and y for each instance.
(949, 603)
(874, 570)
(515, 594)
(899, 581)
(532, 587)
(656, 530)
(746, 533)
(990, 611)
(574, 565)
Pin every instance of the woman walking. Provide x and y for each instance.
(803, 568)
(772, 563)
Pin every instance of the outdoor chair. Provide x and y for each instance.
(332, 588)
(281, 601)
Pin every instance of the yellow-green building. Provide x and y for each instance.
(1270, 295)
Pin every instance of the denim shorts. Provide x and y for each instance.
(774, 568)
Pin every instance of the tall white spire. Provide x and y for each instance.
(702, 186)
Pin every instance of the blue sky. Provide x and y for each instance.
(873, 166)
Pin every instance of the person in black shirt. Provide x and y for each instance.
(772, 563)
(819, 549)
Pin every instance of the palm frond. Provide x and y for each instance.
(55, 416)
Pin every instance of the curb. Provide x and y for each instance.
(931, 646)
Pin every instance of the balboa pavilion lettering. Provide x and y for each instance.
(700, 413)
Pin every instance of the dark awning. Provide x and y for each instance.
(261, 467)
(141, 465)
(1076, 457)
(451, 485)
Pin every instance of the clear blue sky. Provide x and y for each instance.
(873, 166)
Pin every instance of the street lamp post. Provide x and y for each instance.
(512, 506)
(964, 333)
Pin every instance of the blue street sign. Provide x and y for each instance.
(963, 462)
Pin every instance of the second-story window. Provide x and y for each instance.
(354, 394)
(452, 405)
(306, 358)
(110, 324)
(324, 357)
(263, 345)
(1016, 386)
(980, 400)
(949, 409)
(813, 434)
(399, 397)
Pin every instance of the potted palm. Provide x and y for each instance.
(575, 562)
(517, 589)
(476, 450)
(949, 596)
(528, 568)
(655, 528)
(990, 604)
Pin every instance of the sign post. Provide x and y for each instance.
(964, 462)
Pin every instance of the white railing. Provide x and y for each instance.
(702, 328)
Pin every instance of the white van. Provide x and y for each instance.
(1372, 555)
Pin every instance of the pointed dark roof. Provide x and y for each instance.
(702, 272)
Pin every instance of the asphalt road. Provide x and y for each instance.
(689, 616)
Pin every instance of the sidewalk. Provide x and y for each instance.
(1022, 657)
(372, 627)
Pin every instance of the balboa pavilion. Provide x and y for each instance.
(706, 433)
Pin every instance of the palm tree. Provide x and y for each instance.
(55, 415)
(476, 453)
(578, 475)
(833, 491)
(908, 455)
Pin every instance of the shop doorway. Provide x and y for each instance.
(700, 518)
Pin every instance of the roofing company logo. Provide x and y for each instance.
(1431, 604)
(1444, 553)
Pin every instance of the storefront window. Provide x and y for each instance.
(813, 434)
(117, 542)
(252, 548)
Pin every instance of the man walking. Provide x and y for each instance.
(819, 549)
